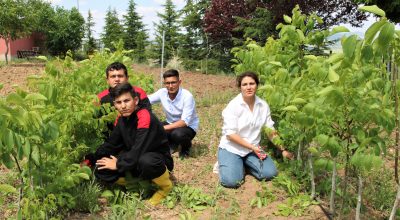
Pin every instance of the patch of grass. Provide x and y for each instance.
(87, 195)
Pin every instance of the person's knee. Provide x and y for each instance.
(268, 174)
(230, 182)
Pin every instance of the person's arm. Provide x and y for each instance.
(155, 97)
(111, 147)
(273, 136)
(128, 160)
(177, 124)
(239, 140)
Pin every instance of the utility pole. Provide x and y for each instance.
(162, 57)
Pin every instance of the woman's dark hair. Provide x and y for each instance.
(171, 73)
(250, 74)
(116, 66)
(122, 88)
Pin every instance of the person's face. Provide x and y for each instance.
(126, 104)
(116, 77)
(172, 84)
(248, 87)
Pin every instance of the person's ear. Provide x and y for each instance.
(136, 100)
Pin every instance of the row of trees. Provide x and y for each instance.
(202, 32)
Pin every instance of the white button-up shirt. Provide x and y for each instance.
(239, 119)
(183, 107)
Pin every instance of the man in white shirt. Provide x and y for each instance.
(179, 107)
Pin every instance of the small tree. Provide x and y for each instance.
(67, 31)
(15, 20)
(135, 36)
(169, 24)
(90, 45)
(113, 31)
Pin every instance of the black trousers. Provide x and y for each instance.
(150, 165)
(181, 136)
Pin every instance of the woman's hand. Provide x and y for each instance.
(287, 154)
(107, 163)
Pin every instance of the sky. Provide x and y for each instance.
(147, 9)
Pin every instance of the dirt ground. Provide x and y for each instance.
(195, 171)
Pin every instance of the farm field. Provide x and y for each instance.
(212, 93)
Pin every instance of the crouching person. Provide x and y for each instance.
(138, 144)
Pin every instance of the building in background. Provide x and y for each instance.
(22, 47)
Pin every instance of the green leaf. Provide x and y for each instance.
(5, 188)
(291, 108)
(298, 101)
(107, 194)
(276, 63)
(333, 76)
(349, 45)
(325, 91)
(1, 85)
(84, 176)
(27, 147)
(373, 30)
(313, 150)
(386, 35)
(310, 57)
(287, 19)
(14, 98)
(373, 9)
(35, 154)
(35, 97)
(338, 29)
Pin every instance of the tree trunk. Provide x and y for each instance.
(311, 176)
(299, 151)
(396, 111)
(6, 40)
(333, 190)
(360, 185)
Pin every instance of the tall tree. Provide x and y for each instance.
(227, 20)
(90, 44)
(113, 31)
(391, 8)
(68, 28)
(168, 23)
(135, 36)
(15, 20)
(193, 43)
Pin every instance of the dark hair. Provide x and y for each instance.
(122, 88)
(171, 73)
(250, 74)
(116, 66)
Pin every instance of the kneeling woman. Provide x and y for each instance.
(244, 118)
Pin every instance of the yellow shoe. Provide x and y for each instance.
(121, 181)
(165, 186)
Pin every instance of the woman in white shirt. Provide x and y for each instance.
(244, 118)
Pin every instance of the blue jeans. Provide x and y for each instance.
(232, 168)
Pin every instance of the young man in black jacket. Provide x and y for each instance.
(138, 144)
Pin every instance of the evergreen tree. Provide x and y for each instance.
(135, 36)
(168, 23)
(194, 42)
(90, 44)
(113, 31)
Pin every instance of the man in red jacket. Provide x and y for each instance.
(117, 73)
(138, 145)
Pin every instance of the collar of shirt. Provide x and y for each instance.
(177, 97)
(256, 102)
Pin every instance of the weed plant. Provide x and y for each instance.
(87, 195)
